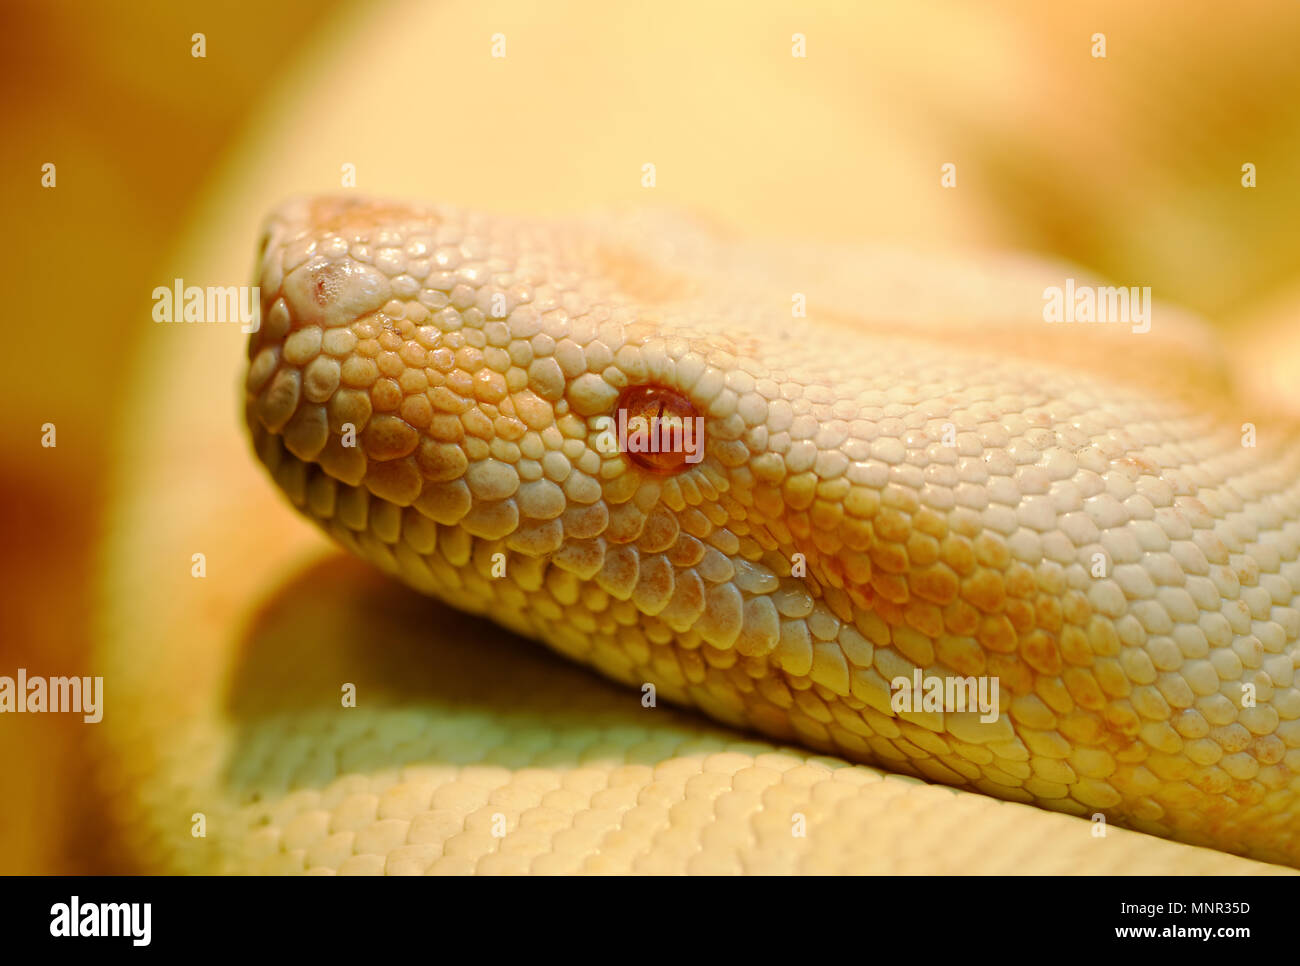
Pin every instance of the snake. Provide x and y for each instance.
(903, 473)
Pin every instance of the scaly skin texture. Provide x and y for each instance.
(951, 483)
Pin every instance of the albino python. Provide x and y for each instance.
(905, 471)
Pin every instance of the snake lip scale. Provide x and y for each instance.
(916, 479)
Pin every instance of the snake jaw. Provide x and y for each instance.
(431, 387)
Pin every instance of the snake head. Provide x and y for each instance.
(486, 409)
(932, 483)
(583, 431)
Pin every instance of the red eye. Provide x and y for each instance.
(659, 429)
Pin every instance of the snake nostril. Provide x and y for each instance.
(659, 429)
(325, 284)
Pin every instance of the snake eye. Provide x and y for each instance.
(660, 430)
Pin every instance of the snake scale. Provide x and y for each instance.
(905, 472)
